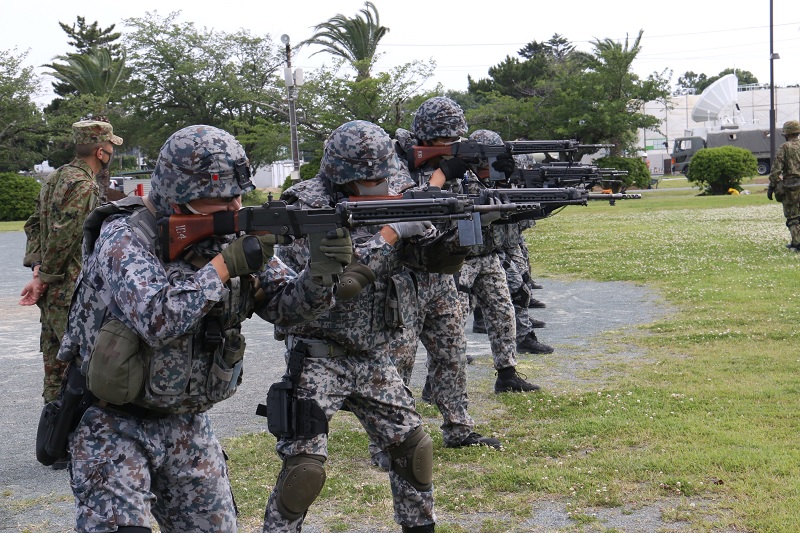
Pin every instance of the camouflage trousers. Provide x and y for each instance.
(124, 467)
(791, 208)
(439, 325)
(515, 278)
(54, 323)
(376, 395)
(482, 281)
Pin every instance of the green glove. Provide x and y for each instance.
(249, 253)
(770, 191)
(330, 254)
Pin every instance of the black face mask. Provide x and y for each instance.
(107, 164)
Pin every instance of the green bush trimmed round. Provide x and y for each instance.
(638, 173)
(717, 170)
(18, 196)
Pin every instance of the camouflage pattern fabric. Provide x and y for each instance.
(439, 325)
(376, 395)
(180, 175)
(124, 467)
(482, 280)
(438, 117)
(355, 152)
(54, 232)
(94, 132)
(786, 170)
(365, 375)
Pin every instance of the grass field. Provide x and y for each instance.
(707, 421)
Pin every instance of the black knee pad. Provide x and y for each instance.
(299, 484)
(412, 460)
(133, 529)
(794, 221)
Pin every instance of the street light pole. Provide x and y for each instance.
(772, 57)
(291, 83)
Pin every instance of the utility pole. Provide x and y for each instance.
(772, 57)
(293, 79)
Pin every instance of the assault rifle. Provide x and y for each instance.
(567, 175)
(474, 152)
(177, 232)
(549, 199)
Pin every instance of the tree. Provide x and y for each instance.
(690, 80)
(22, 132)
(182, 75)
(353, 39)
(84, 39)
(745, 78)
(94, 72)
(719, 169)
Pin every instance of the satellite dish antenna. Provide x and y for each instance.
(715, 99)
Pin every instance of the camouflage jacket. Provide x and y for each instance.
(359, 324)
(172, 307)
(55, 229)
(787, 162)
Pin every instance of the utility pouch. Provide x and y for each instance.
(116, 366)
(59, 418)
(401, 301)
(278, 409)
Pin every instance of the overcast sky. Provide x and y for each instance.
(467, 37)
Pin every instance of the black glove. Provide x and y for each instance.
(505, 163)
(249, 253)
(454, 168)
(353, 280)
(770, 191)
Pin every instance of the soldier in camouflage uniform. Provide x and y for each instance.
(160, 341)
(54, 233)
(343, 355)
(784, 180)
(483, 279)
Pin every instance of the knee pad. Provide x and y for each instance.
(299, 484)
(133, 529)
(412, 460)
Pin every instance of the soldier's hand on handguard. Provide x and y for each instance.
(404, 230)
(493, 216)
(249, 253)
(505, 163)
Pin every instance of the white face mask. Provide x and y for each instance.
(381, 189)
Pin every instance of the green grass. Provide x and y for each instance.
(705, 421)
(12, 226)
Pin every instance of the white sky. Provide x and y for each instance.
(466, 37)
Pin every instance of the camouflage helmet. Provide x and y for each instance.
(199, 162)
(487, 137)
(791, 127)
(438, 117)
(358, 150)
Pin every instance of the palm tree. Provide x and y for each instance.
(93, 73)
(352, 39)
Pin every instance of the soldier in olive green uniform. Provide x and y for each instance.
(55, 231)
(784, 180)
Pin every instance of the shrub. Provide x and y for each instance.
(18, 196)
(638, 173)
(718, 169)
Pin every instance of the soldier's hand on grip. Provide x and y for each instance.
(338, 246)
(454, 168)
(249, 253)
(505, 164)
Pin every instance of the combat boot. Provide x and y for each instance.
(476, 439)
(534, 285)
(531, 344)
(428, 528)
(536, 323)
(537, 304)
(478, 324)
(509, 380)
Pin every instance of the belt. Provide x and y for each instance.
(317, 347)
(130, 409)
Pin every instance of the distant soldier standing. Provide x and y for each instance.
(784, 180)
(55, 231)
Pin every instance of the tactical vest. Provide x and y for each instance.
(188, 374)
